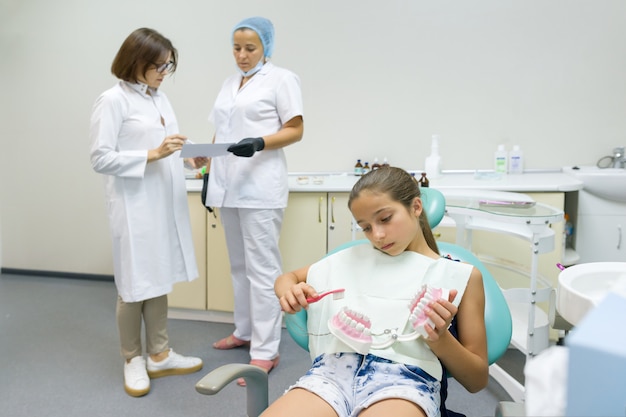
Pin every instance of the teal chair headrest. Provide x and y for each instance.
(434, 204)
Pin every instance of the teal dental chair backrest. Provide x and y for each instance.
(498, 322)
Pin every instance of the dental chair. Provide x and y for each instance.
(498, 322)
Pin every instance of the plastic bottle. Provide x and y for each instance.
(366, 168)
(500, 160)
(385, 163)
(516, 160)
(358, 168)
(568, 231)
(432, 164)
(375, 165)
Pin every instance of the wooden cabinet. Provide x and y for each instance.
(314, 224)
(193, 294)
(303, 235)
(600, 232)
(219, 283)
(341, 225)
(212, 290)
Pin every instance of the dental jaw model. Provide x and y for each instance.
(352, 328)
(355, 329)
(418, 318)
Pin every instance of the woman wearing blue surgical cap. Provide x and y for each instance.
(259, 110)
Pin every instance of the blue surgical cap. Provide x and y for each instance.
(264, 28)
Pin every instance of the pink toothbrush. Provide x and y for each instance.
(337, 294)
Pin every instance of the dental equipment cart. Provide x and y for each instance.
(518, 215)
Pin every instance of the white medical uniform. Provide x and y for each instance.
(252, 194)
(146, 203)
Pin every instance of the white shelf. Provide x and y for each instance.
(570, 257)
(541, 328)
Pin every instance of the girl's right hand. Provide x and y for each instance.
(169, 145)
(294, 299)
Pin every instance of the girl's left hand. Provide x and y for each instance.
(441, 313)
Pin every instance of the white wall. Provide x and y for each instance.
(379, 77)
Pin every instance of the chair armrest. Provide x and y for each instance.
(256, 384)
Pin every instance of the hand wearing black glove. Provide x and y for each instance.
(247, 147)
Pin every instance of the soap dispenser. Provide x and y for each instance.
(500, 160)
(516, 160)
(433, 162)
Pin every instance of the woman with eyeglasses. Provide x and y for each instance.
(135, 144)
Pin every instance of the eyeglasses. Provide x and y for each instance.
(165, 67)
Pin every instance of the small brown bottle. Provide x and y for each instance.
(424, 181)
(358, 168)
(375, 165)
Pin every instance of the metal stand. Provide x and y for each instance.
(514, 214)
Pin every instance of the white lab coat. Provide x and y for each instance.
(268, 100)
(253, 194)
(146, 203)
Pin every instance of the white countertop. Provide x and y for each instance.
(534, 181)
(193, 185)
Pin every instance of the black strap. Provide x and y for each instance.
(205, 185)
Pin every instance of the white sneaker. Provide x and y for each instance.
(174, 364)
(136, 381)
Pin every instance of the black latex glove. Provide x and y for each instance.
(247, 147)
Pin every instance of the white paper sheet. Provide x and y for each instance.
(209, 150)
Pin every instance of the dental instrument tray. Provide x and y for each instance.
(503, 203)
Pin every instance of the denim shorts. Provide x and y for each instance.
(351, 382)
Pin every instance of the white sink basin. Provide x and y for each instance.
(608, 183)
(582, 287)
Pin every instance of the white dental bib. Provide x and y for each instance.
(380, 286)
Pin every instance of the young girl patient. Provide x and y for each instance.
(379, 350)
